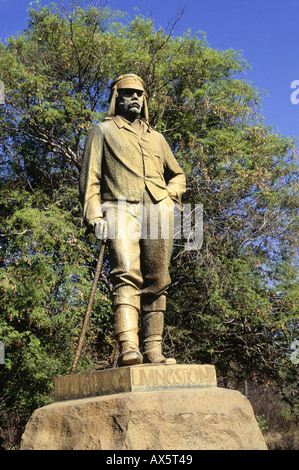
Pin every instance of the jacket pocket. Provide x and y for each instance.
(159, 164)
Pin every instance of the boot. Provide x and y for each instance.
(126, 330)
(153, 323)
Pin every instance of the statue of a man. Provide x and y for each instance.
(128, 184)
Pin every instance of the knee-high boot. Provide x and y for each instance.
(126, 331)
(153, 323)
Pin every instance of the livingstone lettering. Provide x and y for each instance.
(170, 377)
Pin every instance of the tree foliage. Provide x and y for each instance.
(234, 302)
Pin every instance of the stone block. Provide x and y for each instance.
(134, 379)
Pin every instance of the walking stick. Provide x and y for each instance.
(89, 306)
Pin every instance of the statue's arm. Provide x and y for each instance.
(90, 176)
(173, 173)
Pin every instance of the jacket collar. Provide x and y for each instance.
(122, 122)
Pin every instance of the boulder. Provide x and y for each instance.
(194, 418)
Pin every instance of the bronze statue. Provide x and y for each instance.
(128, 185)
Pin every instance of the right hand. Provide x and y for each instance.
(101, 230)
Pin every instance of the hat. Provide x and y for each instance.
(131, 81)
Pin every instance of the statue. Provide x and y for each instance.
(129, 180)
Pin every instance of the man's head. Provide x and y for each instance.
(129, 103)
(128, 97)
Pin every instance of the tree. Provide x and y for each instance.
(233, 303)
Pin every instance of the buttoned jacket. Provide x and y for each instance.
(121, 163)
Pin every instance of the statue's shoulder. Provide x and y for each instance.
(157, 135)
(100, 128)
(154, 132)
(108, 121)
(106, 124)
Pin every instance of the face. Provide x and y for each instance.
(130, 102)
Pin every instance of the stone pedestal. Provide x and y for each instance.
(149, 407)
(134, 379)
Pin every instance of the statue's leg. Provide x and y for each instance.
(126, 331)
(152, 327)
(156, 251)
(126, 278)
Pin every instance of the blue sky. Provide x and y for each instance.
(266, 31)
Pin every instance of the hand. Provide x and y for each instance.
(101, 230)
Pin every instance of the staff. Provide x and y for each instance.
(89, 306)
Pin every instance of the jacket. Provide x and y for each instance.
(121, 163)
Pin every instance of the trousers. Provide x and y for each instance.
(140, 243)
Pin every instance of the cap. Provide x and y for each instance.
(128, 80)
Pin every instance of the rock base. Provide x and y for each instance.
(171, 419)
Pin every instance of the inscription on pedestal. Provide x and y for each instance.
(134, 379)
(172, 376)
